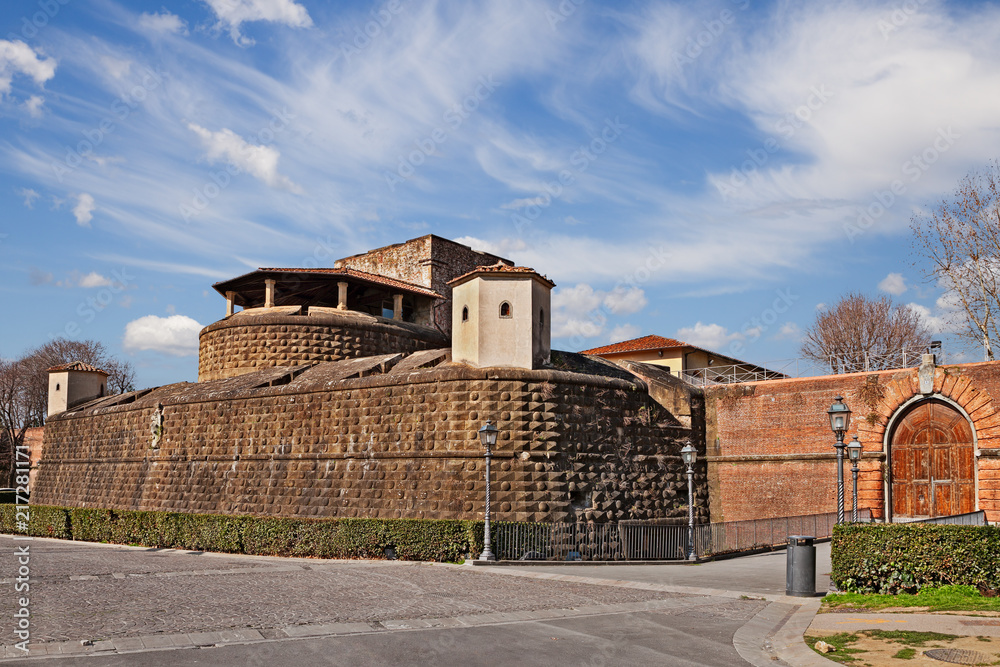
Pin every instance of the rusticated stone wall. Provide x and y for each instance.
(245, 343)
(395, 445)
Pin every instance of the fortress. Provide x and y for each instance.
(358, 390)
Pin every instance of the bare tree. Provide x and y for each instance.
(861, 333)
(961, 239)
(24, 389)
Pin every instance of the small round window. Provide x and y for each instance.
(465, 313)
(505, 309)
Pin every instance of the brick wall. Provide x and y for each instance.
(246, 343)
(571, 445)
(771, 451)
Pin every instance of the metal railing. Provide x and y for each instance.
(967, 519)
(849, 362)
(650, 540)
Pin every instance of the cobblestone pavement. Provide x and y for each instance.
(85, 591)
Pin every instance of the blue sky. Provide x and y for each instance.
(695, 170)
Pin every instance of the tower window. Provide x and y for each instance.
(541, 318)
(505, 309)
(57, 386)
(465, 313)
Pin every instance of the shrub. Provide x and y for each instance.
(410, 539)
(894, 558)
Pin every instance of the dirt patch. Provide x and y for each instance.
(867, 650)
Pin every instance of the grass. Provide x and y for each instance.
(944, 598)
(846, 655)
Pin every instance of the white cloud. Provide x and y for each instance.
(176, 335)
(260, 161)
(709, 336)
(29, 196)
(789, 331)
(235, 12)
(894, 284)
(624, 332)
(165, 22)
(622, 301)
(94, 279)
(117, 68)
(84, 209)
(33, 105)
(581, 311)
(937, 323)
(820, 306)
(523, 203)
(19, 58)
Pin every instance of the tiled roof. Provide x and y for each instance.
(76, 366)
(362, 275)
(500, 267)
(639, 344)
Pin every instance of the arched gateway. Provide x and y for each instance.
(932, 462)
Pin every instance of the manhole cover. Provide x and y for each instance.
(959, 656)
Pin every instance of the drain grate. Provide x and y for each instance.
(960, 656)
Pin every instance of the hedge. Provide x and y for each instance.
(895, 558)
(411, 539)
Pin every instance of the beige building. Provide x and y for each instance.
(74, 383)
(501, 317)
(684, 360)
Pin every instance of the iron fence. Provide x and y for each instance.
(968, 519)
(650, 540)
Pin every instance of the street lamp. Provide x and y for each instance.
(854, 453)
(689, 454)
(840, 419)
(488, 436)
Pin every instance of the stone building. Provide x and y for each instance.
(341, 392)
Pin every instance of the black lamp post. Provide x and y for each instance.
(488, 436)
(840, 419)
(854, 453)
(689, 454)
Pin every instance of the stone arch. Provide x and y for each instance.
(930, 444)
(899, 392)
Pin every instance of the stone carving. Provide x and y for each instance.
(156, 426)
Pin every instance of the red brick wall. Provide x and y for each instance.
(771, 449)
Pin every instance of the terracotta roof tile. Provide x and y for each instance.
(500, 267)
(362, 275)
(639, 344)
(76, 366)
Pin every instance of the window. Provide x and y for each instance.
(505, 310)
(541, 318)
(57, 386)
(465, 313)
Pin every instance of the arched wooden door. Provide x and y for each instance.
(932, 463)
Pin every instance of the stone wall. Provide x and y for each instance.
(770, 447)
(431, 261)
(398, 444)
(245, 343)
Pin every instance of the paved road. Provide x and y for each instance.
(258, 610)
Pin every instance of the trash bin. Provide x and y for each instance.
(800, 567)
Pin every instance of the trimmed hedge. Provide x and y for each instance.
(903, 558)
(411, 539)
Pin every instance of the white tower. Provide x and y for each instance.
(501, 316)
(75, 383)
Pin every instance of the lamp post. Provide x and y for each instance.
(840, 419)
(689, 454)
(854, 453)
(488, 436)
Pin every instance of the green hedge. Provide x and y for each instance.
(411, 539)
(894, 558)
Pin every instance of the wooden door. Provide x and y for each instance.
(932, 463)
